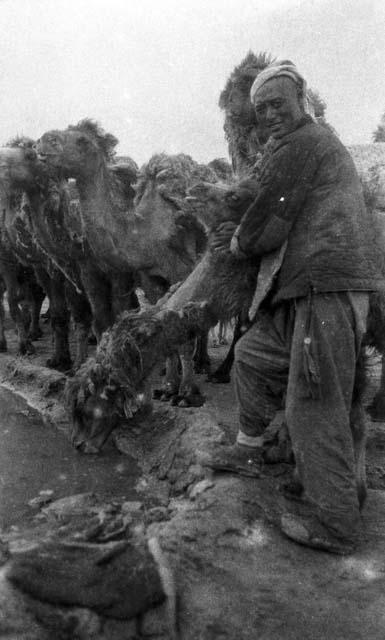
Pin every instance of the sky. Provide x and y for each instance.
(151, 71)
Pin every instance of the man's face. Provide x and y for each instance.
(277, 106)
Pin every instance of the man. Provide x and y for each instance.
(319, 261)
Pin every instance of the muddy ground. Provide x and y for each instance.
(234, 574)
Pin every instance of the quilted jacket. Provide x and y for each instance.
(311, 197)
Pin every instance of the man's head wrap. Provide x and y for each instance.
(286, 69)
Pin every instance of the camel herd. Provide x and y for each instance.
(89, 232)
(96, 255)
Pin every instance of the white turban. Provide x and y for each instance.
(279, 69)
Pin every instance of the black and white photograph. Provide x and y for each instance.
(192, 320)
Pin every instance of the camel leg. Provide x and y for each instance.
(222, 373)
(82, 317)
(189, 394)
(98, 291)
(222, 331)
(3, 341)
(213, 337)
(36, 295)
(377, 408)
(59, 317)
(25, 345)
(201, 357)
(171, 381)
(124, 297)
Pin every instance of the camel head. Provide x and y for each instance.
(99, 403)
(222, 169)
(78, 151)
(216, 203)
(246, 139)
(173, 237)
(234, 100)
(19, 166)
(112, 389)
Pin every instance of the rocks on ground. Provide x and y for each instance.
(224, 568)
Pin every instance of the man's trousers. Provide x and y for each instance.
(302, 355)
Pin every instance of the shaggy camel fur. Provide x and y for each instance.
(26, 189)
(84, 153)
(222, 169)
(35, 230)
(113, 386)
(12, 251)
(122, 237)
(245, 140)
(173, 233)
(161, 190)
(233, 297)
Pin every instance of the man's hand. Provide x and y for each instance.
(221, 238)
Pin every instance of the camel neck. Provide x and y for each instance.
(108, 223)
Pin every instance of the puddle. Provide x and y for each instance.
(35, 458)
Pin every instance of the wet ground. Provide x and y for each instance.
(35, 458)
(237, 575)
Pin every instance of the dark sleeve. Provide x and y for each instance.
(284, 187)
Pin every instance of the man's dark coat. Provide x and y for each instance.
(311, 196)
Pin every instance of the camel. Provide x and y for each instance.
(245, 140)
(9, 263)
(35, 205)
(112, 387)
(148, 236)
(3, 339)
(83, 152)
(25, 297)
(30, 299)
(169, 231)
(161, 189)
(370, 162)
(222, 169)
(166, 186)
(56, 231)
(125, 235)
(18, 250)
(200, 285)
